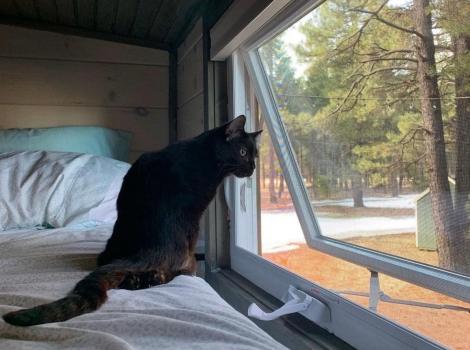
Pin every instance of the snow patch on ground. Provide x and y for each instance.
(403, 201)
(281, 229)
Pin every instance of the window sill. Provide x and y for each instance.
(293, 331)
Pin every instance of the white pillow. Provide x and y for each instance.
(39, 188)
(91, 197)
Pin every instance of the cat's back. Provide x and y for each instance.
(166, 168)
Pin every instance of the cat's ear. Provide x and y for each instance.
(256, 138)
(256, 134)
(235, 128)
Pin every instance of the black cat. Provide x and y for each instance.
(162, 199)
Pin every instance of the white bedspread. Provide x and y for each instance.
(38, 266)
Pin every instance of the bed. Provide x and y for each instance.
(56, 213)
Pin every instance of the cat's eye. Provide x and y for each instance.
(243, 152)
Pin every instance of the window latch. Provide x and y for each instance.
(296, 301)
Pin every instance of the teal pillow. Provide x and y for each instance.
(80, 139)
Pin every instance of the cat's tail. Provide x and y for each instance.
(87, 296)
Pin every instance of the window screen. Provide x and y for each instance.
(384, 158)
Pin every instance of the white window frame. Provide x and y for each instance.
(360, 327)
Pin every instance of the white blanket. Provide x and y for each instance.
(38, 266)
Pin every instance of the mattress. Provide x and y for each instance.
(38, 266)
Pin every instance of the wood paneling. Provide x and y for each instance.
(188, 10)
(66, 12)
(190, 85)
(125, 17)
(191, 118)
(106, 12)
(190, 74)
(55, 80)
(146, 14)
(60, 83)
(9, 8)
(190, 95)
(86, 13)
(173, 98)
(47, 10)
(22, 42)
(27, 9)
(165, 22)
(193, 38)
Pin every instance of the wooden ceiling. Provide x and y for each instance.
(155, 23)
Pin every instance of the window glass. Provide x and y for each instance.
(282, 242)
(441, 318)
(381, 141)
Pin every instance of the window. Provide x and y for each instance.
(342, 195)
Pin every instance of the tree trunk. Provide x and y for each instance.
(263, 174)
(461, 45)
(448, 240)
(357, 191)
(462, 88)
(281, 186)
(394, 184)
(272, 175)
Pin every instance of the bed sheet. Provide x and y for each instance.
(38, 266)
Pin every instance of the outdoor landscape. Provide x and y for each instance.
(375, 97)
(283, 243)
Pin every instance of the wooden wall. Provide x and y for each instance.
(49, 79)
(190, 85)
(190, 99)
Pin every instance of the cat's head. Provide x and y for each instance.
(239, 149)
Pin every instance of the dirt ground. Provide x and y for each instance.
(402, 245)
(448, 327)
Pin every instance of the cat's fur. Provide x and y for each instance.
(162, 199)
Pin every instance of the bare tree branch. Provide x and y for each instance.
(375, 15)
(358, 34)
(400, 163)
(388, 52)
(384, 69)
(390, 59)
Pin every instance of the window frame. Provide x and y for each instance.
(356, 325)
(427, 276)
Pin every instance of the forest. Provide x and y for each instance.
(380, 105)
